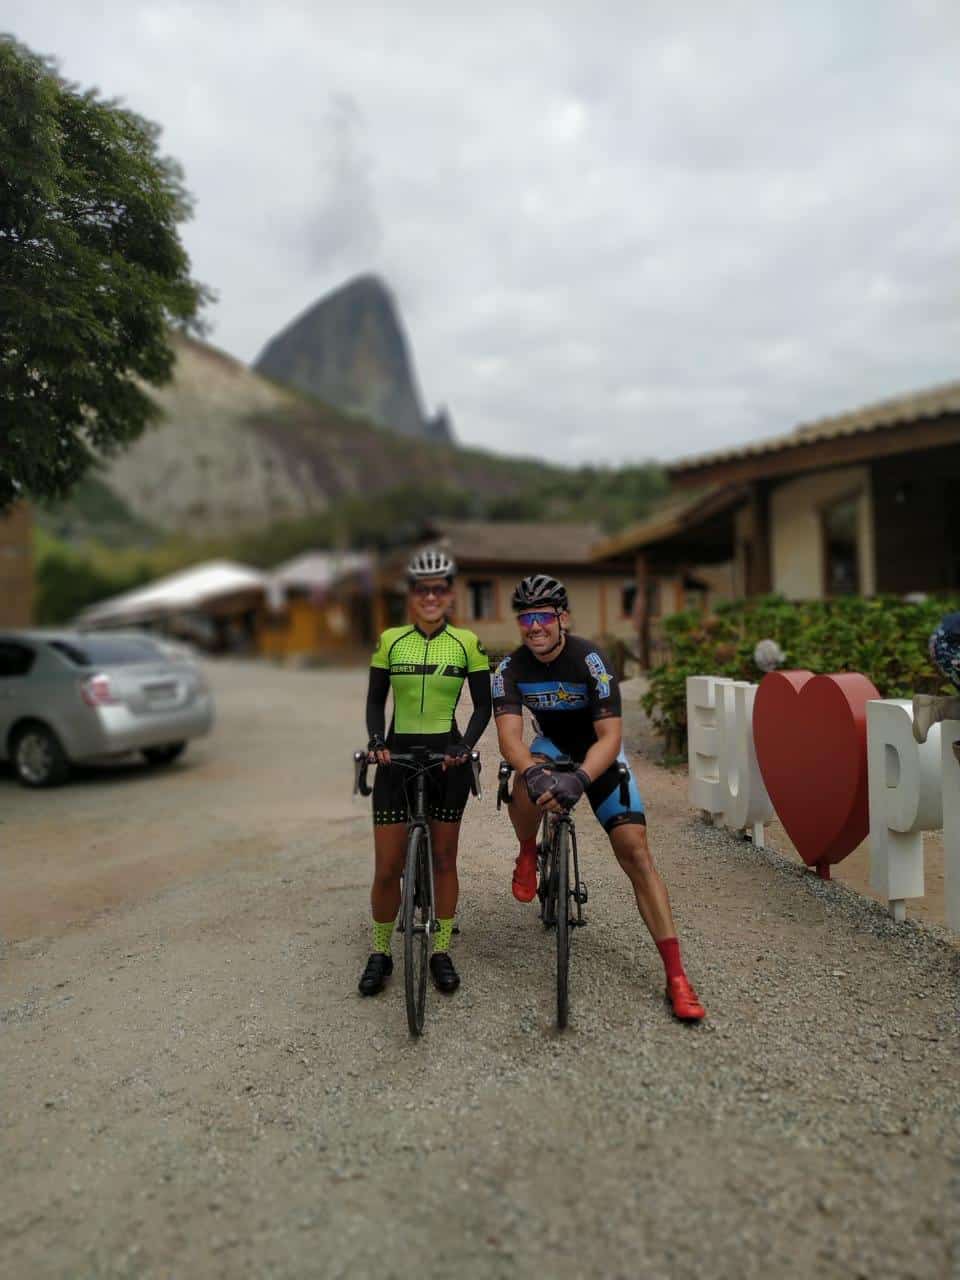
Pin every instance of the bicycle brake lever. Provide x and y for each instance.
(360, 764)
(503, 783)
(475, 771)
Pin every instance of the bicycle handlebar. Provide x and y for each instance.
(563, 764)
(420, 759)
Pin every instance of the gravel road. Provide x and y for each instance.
(191, 1086)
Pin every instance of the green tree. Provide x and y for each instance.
(92, 276)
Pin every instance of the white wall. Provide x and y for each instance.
(796, 533)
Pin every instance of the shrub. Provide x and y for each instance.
(883, 637)
(67, 581)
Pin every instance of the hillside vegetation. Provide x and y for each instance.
(94, 547)
(236, 451)
(246, 469)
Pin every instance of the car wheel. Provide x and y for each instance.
(164, 755)
(39, 760)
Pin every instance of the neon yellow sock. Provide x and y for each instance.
(441, 939)
(382, 933)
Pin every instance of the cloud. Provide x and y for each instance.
(614, 232)
(344, 230)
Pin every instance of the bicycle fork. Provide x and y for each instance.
(578, 890)
(432, 924)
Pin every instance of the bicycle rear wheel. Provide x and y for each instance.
(562, 873)
(417, 912)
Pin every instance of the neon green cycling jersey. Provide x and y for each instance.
(427, 674)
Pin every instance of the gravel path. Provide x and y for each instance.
(191, 1086)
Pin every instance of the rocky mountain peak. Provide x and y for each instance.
(349, 349)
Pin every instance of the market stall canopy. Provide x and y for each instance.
(191, 589)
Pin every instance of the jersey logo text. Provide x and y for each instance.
(498, 689)
(600, 674)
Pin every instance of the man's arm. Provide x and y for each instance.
(605, 750)
(510, 735)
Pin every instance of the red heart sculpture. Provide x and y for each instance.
(810, 734)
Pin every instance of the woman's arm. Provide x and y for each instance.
(479, 682)
(377, 691)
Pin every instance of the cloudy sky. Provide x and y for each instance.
(615, 231)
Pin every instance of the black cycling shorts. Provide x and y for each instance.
(447, 789)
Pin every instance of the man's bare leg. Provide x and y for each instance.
(526, 818)
(629, 841)
(630, 844)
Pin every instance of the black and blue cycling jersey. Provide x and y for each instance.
(566, 697)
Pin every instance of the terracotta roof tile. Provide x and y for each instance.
(897, 412)
(511, 542)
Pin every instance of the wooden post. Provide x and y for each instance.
(759, 572)
(641, 614)
(379, 605)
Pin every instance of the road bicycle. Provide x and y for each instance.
(562, 893)
(418, 920)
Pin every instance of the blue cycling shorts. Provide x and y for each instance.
(604, 792)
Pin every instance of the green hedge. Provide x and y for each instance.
(883, 637)
(69, 580)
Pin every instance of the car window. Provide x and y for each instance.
(107, 651)
(15, 659)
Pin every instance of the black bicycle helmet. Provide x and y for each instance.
(540, 588)
(432, 562)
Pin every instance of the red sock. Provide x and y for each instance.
(528, 847)
(669, 949)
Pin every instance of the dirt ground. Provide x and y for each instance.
(191, 1085)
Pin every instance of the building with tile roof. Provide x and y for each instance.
(492, 557)
(864, 502)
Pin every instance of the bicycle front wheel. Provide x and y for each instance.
(417, 912)
(546, 879)
(562, 872)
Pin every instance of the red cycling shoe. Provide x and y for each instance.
(525, 876)
(683, 999)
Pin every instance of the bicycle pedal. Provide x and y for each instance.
(580, 895)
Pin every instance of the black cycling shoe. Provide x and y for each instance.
(445, 976)
(375, 975)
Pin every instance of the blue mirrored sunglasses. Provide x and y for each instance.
(543, 619)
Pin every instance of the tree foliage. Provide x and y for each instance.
(92, 276)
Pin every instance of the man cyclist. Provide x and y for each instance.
(425, 664)
(566, 682)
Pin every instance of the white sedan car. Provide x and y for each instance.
(69, 697)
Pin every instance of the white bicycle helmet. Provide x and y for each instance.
(432, 562)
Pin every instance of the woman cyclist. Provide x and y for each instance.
(425, 663)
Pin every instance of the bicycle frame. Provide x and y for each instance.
(420, 822)
(578, 890)
(551, 821)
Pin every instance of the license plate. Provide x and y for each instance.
(161, 692)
